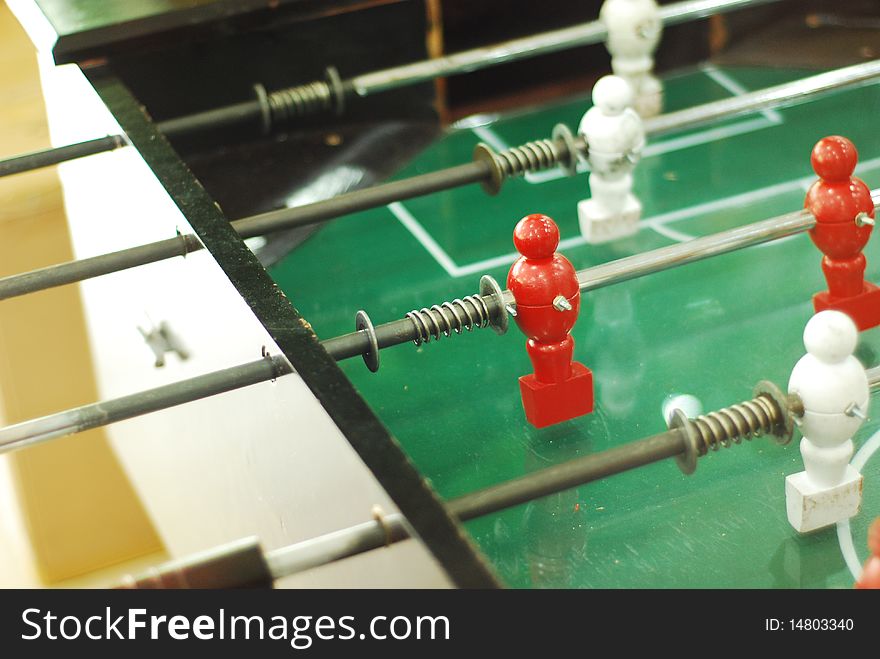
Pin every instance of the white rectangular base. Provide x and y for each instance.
(599, 226)
(810, 507)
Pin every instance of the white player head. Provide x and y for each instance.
(634, 27)
(612, 95)
(830, 336)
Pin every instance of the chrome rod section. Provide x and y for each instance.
(607, 274)
(336, 546)
(697, 249)
(248, 227)
(386, 79)
(873, 377)
(386, 530)
(682, 441)
(788, 93)
(544, 43)
(569, 474)
(96, 266)
(372, 197)
(389, 334)
(79, 419)
(59, 154)
(690, 251)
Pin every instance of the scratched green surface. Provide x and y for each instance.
(710, 329)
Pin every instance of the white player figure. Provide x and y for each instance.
(615, 139)
(634, 29)
(833, 386)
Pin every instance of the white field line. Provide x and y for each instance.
(844, 532)
(723, 79)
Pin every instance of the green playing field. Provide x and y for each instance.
(710, 329)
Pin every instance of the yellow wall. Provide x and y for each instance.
(79, 508)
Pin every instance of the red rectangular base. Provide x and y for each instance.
(864, 308)
(546, 404)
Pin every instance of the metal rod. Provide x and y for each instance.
(788, 93)
(686, 440)
(249, 227)
(403, 330)
(873, 377)
(373, 197)
(53, 156)
(532, 46)
(238, 564)
(254, 111)
(400, 331)
(607, 274)
(541, 483)
(572, 473)
(335, 546)
(216, 119)
(103, 413)
(614, 272)
(73, 271)
(386, 530)
(358, 200)
(95, 266)
(388, 334)
(389, 529)
(479, 172)
(697, 249)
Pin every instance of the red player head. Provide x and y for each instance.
(536, 236)
(834, 158)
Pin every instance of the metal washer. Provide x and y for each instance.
(498, 320)
(371, 357)
(486, 154)
(686, 461)
(562, 133)
(334, 82)
(265, 110)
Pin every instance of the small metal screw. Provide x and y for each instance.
(863, 219)
(560, 303)
(647, 29)
(853, 409)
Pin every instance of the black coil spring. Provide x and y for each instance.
(444, 319)
(300, 101)
(530, 157)
(747, 420)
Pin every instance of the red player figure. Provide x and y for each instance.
(844, 212)
(870, 578)
(545, 287)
